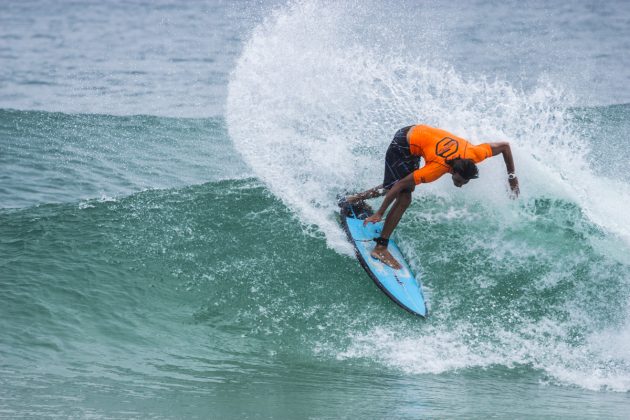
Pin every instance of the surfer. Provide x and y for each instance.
(443, 153)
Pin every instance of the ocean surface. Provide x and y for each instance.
(169, 244)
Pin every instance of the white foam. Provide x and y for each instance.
(312, 106)
(313, 117)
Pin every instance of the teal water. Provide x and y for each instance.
(55, 157)
(173, 252)
(216, 297)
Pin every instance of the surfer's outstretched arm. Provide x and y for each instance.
(504, 149)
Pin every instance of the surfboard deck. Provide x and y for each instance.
(401, 286)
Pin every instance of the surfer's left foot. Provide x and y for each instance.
(382, 254)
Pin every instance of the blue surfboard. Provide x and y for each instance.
(400, 285)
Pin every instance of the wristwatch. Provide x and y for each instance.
(511, 176)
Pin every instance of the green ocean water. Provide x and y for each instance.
(169, 238)
(214, 300)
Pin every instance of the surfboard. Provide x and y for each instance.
(401, 285)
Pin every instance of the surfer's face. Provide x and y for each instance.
(459, 180)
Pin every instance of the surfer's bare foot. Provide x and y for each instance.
(382, 254)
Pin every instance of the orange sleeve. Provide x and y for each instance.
(429, 173)
(479, 152)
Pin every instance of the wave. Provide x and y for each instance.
(53, 157)
(100, 278)
(161, 285)
(515, 282)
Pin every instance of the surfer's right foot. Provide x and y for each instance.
(382, 254)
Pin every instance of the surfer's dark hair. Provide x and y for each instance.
(464, 167)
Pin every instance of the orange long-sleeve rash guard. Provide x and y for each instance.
(437, 146)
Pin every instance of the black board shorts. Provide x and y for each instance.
(399, 162)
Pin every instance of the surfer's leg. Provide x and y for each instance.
(395, 214)
(381, 252)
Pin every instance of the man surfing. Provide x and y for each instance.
(443, 153)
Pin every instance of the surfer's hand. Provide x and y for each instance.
(514, 187)
(376, 217)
